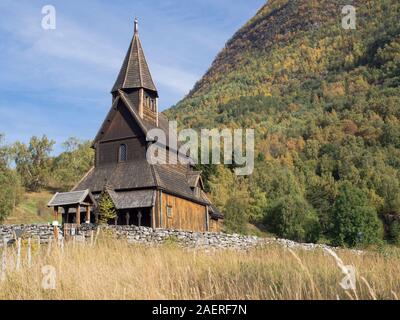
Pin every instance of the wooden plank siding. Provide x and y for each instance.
(215, 225)
(186, 215)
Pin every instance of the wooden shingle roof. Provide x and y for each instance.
(71, 198)
(120, 176)
(135, 71)
(133, 199)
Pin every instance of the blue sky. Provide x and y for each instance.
(57, 82)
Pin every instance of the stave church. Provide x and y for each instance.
(151, 195)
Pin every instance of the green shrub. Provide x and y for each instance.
(354, 220)
(235, 216)
(291, 217)
(394, 232)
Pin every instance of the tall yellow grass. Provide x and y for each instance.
(113, 269)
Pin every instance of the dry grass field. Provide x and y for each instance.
(112, 269)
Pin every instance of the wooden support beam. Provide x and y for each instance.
(78, 215)
(139, 216)
(141, 102)
(56, 213)
(127, 217)
(153, 217)
(207, 220)
(161, 209)
(66, 214)
(156, 112)
(88, 214)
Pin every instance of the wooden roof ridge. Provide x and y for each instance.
(127, 102)
(156, 177)
(135, 72)
(109, 116)
(138, 45)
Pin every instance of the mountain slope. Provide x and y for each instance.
(324, 102)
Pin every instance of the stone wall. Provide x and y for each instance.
(187, 239)
(148, 236)
(142, 235)
(44, 232)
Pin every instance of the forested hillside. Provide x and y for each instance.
(325, 103)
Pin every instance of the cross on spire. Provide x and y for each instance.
(136, 25)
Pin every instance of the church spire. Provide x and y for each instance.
(135, 72)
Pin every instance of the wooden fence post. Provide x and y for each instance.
(4, 261)
(62, 245)
(18, 263)
(91, 238)
(49, 246)
(29, 253)
(97, 235)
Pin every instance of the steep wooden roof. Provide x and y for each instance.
(135, 71)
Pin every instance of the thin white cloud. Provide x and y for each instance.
(176, 79)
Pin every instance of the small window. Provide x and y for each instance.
(169, 211)
(122, 153)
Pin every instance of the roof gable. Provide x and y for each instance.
(120, 112)
(121, 125)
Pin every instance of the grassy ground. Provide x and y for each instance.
(32, 209)
(115, 270)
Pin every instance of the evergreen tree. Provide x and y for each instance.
(107, 208)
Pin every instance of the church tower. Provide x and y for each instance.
(135, 80)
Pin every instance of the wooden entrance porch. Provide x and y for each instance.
(77, 207)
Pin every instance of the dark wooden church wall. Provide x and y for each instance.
(122, 130)
(109, 151)
(122, 125)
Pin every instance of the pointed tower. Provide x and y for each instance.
(135, 80)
